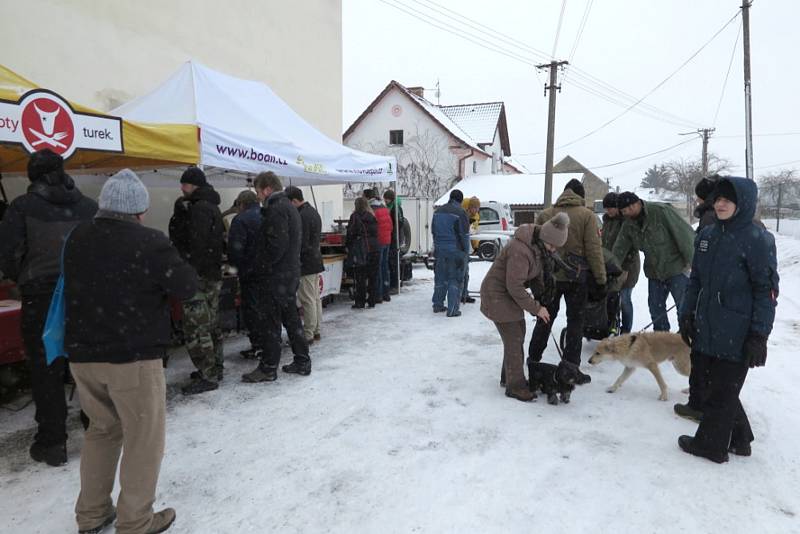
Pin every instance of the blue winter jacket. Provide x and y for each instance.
(242, 237)
(733, 288)
(450, 228)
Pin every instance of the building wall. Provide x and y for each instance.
(104, 53)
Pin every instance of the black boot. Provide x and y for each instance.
(687, 412)
(248, 354)
(201, 385)
(52, 455)
(261, 374)
(687, 444)
(298, 368)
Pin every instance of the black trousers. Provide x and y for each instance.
(365, 278)
(250, 310)
(274, 311)
(47, 381)
(394, 274)
(724, 420)
(698, 380)
(574, 294)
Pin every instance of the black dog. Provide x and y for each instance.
(553, 380)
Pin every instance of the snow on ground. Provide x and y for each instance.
(402, 427)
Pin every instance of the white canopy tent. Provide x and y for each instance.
(508, 188)
(245, 127)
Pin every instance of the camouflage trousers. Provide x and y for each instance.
(201, 328)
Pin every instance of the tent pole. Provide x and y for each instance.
(397, 235)
(313, 197)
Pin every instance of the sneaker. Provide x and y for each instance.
(200, 385)
(439, 309)
(297, 368)
(740, 450)
(524, 395)
(317, 337)
(686, 443)
(162, 521)
(102, 526)
(261, 374)
(456, 313)
(687, 412)
(52, 455)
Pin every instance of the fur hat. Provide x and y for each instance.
(626, 198)
(474, 202)
(724, 189)
(194, 176)
(576, 187)
(124, 193)
(554, 231)
(457, 195)
(610, 200)
(705, 186)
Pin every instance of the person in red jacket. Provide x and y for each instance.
(385, 229)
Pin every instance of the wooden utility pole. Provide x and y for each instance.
(551, 128)
(748, 111)
(706, 133)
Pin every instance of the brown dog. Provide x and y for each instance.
(645, 349)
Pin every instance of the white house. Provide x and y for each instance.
(435, 146)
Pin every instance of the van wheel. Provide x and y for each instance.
(487, 250)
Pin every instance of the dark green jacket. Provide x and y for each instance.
(665, 238)
(632, 264)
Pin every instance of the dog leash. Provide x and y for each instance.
(558, 347)
(657, 318)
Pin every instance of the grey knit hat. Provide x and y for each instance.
(124, 193)
(555, 230)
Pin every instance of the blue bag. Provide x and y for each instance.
(55, 325)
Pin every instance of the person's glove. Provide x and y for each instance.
(597, 292)
(687, 329)
(755, 350)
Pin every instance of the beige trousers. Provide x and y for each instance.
(513, 336)
(126, 405)
(308, 294)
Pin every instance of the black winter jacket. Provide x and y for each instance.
(278, 249)
(242, 240)
(32, 233)
(197, 231)
(310, 253)
(117, 277)
(705, 213)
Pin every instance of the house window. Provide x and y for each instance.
(395, 137)
(474, 167)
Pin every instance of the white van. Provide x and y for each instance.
(495, 219)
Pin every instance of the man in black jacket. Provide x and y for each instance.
(197, 231)
(310, 264)
(396, 213)
(117, 277)
(278, 271)
(31, 236)
(242, 239)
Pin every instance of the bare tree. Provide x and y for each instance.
(684, 174)
(425, 165)
(780, 187)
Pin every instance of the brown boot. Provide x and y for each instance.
(522, 394)
(162, 521)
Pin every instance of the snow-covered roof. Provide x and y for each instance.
(449, 124)
(479, 121)
(650, 195)
(509, 188)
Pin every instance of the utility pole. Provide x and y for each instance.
(748, 111)
(551, 128)
(706, 133)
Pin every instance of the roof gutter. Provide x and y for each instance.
(461, 161)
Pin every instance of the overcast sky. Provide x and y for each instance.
(631, 45)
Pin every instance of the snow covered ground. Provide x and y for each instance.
(402, 427)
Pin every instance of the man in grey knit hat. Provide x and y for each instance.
(117, 277)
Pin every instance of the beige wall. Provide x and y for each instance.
(104, 52)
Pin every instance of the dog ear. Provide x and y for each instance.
(633, 340)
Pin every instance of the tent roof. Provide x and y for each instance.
(508, 188)
(241, 119)
(145, 145)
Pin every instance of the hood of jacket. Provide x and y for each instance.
(207, 193)
(63, 193)
(275, 197)
(570, 198)
(746, 199)
(525, 234)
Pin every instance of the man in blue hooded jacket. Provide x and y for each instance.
(727, 314)
(450, 228)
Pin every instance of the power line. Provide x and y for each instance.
(777, 134)
(558, 28)
(654, 89)
(581, 27)
(642, 156)
(725, 83)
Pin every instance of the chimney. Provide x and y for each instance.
(417, 91)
